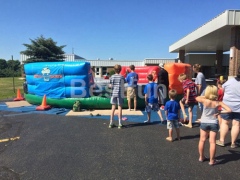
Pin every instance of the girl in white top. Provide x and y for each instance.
(209, 121)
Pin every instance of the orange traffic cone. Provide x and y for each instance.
(19, 96)
(44, 105)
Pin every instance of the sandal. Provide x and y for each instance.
(220, 143)
(124, 118)
(204, 159)
(169, 139)
(215, 162)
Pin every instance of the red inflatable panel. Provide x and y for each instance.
(142, 72)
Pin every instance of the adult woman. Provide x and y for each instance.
(200, 83)
(231, 98)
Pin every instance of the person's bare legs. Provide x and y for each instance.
(183, 110)
(160, 115)
(112, 113)
(129, 103)
(203, 137)
(170, 132)
(234, 131)
(219, 121)
(212, 148)
(135, 103)
(223, 130)
(149, 117)
(120, 114)
(190, 113)
(178, 133)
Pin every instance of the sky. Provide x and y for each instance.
(103, 29)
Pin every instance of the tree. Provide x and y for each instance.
(3, 64)
(43, 50)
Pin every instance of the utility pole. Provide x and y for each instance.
(13, 75)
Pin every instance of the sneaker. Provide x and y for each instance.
(147, 121)
(111, 125)
(120, 126)
(188, 125)
(220, 143)
(198, 121)
(169, 139)
(234, 145)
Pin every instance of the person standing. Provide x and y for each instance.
(132, 79)
(189, 97)
(200, 83)
(151, 97)
(117, 97)
(172, 109)
(231, 98)
(163, 80)
(209, 122)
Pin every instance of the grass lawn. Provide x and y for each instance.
(8, 89)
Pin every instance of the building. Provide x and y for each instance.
(102, 67)
(68, 57)
(214, 44)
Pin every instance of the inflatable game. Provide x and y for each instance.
(64, 83)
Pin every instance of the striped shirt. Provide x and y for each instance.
(117, 81)
(188, 84)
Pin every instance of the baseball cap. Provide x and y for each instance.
(161, 65)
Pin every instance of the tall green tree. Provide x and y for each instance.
(43, 50)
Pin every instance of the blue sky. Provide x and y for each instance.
(118, 29)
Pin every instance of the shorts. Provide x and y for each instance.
(190, 104)
(209, 127)
(231, 116)
(150, 107)
(117, 100)
(131, 93)
(172, 123)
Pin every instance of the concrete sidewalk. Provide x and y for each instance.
(72, 147)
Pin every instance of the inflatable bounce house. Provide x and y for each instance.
(64, 83)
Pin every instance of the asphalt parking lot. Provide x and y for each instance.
(69, 147)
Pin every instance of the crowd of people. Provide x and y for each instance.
(219, 105)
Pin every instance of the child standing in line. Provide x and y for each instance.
(151, 97)
(189, 97)
(172, 111)
(209, 122)
(117, 84)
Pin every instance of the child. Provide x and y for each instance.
(151, 97)
(172, 111)
(189, 89)
(117, 84)
(132, 79)
(209, 122)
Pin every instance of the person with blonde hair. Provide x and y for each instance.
(209, 122)
(189, 95)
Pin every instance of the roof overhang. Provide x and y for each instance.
(210, 37)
